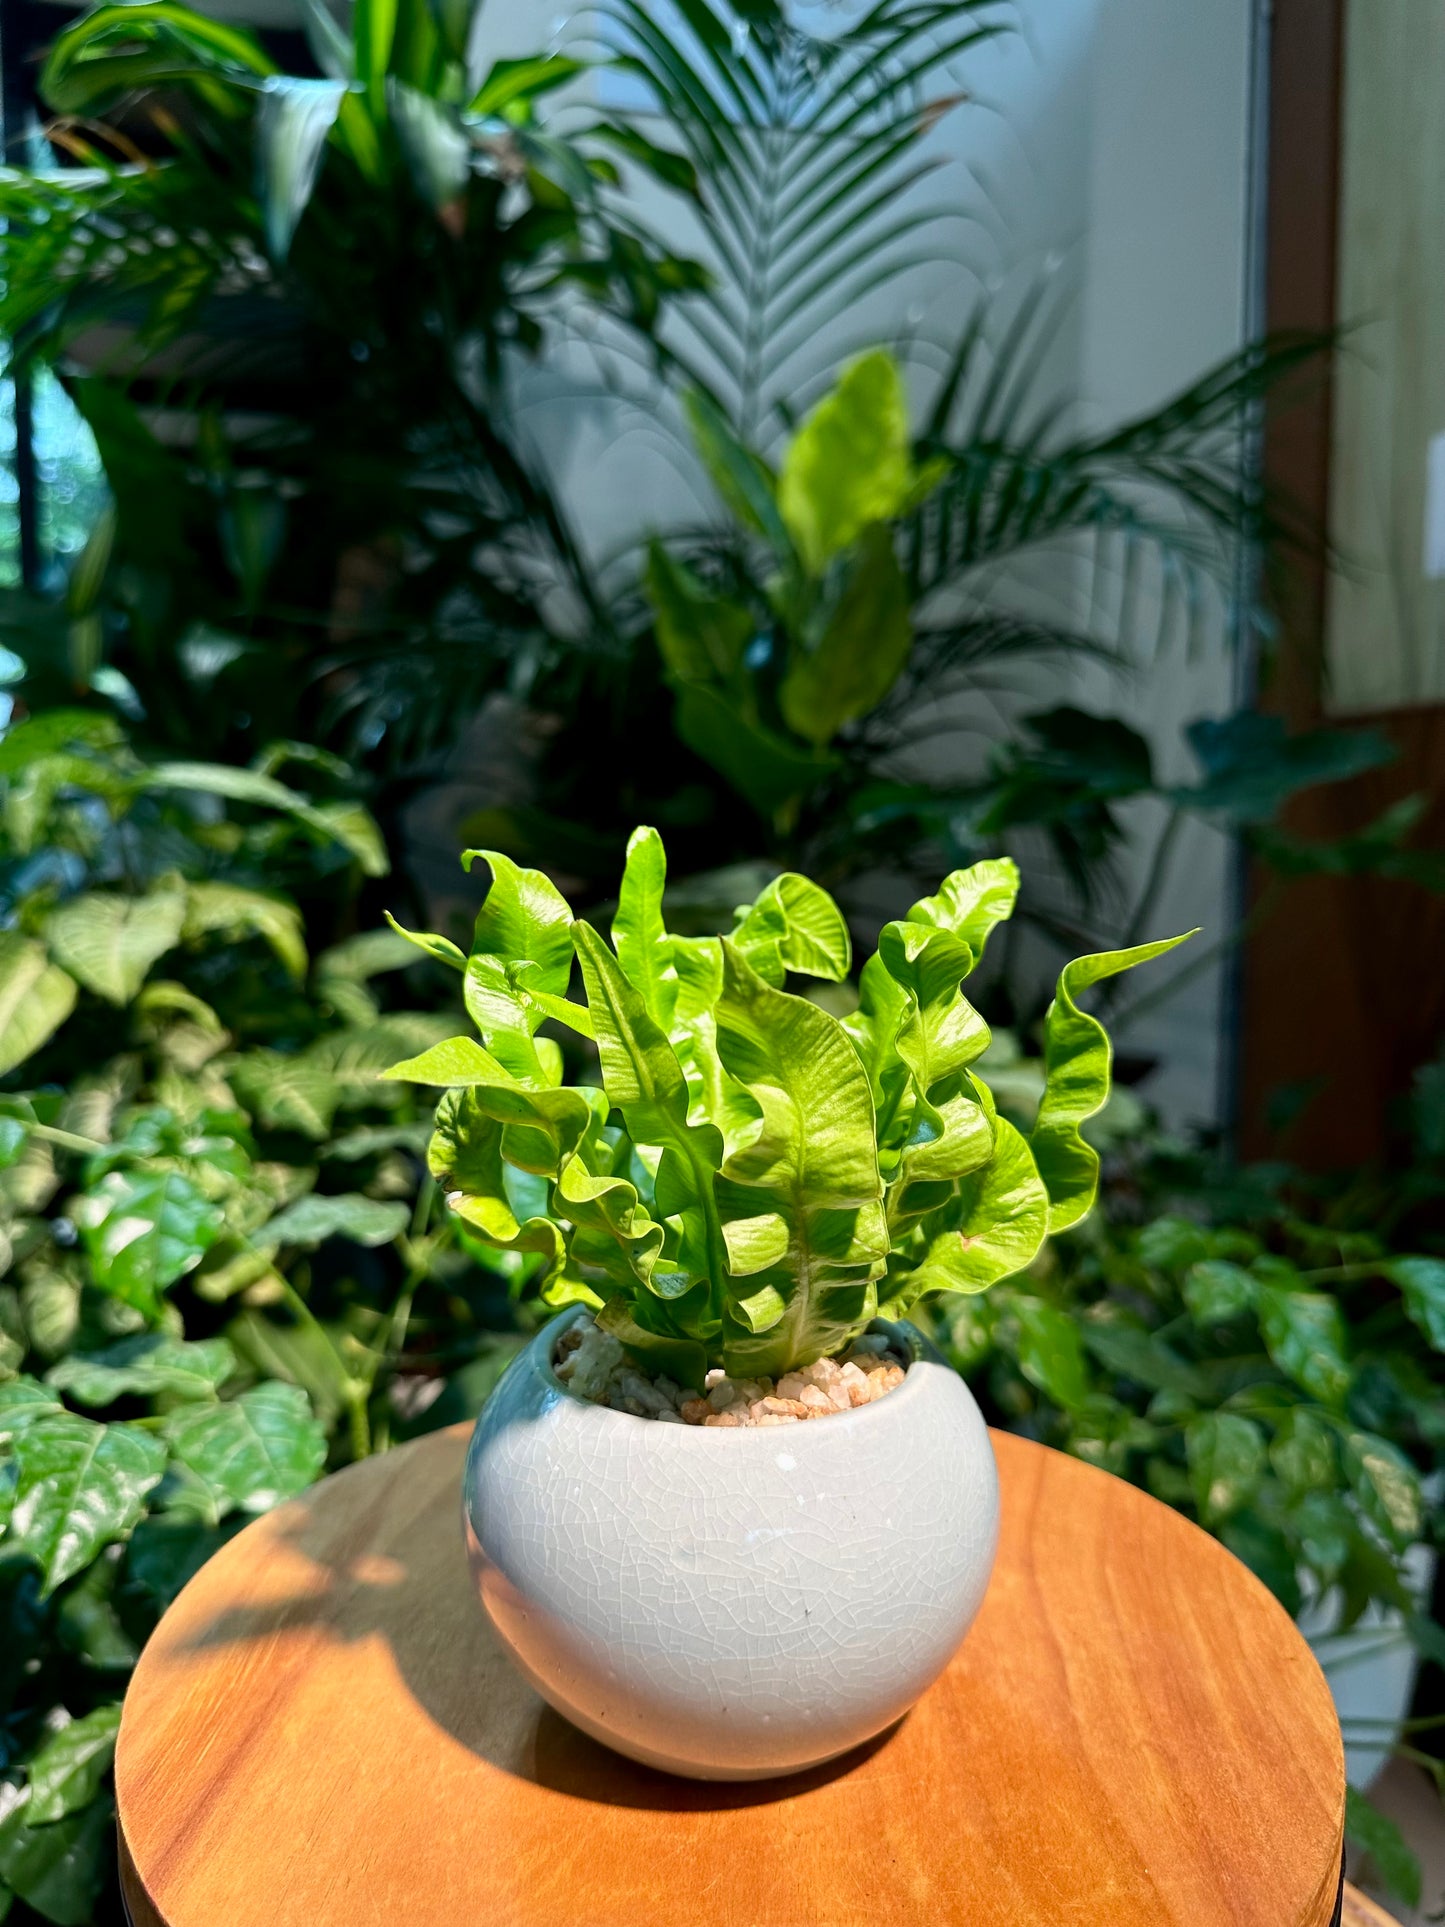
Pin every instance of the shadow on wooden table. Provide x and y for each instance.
(397, 1573)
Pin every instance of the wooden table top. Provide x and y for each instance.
(324, 1733)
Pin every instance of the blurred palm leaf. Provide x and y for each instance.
(1178, 480)
(803, 148)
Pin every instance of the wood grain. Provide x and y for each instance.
(322, 1732)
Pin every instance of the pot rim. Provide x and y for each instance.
(909, 1339)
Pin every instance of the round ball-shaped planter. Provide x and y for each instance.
(731, 1603)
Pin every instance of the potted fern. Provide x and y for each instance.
(728, 1511)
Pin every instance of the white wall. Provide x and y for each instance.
(1112, 135)
(1164, 295)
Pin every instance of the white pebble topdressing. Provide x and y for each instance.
(593, 1366)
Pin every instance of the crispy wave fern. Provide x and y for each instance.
(754, 1180)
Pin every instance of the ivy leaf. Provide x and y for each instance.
(66, 1773)
(1303, 1453)
(1051, 1352)
(142, 1231)
(253, 1451)
(60, 1869)
(1226, 1457)
(848, 464)
(1386, 1485)
(23, 1403)
(226, 909)
(1216, 1291)
(347, 1214)
(1422, 1284)
(1304, 1333)
(287, 1093)
(79, 1486)
(109, 941)
(36, 997)
(1077, 1059)
(1376, 1834)
(145, 1366)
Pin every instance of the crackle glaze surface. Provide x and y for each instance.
(731, 1604)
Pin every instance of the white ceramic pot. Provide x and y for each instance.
(731, 1603)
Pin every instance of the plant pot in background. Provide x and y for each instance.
(731, 1604)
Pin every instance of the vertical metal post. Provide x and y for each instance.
(19, 37)
(1248, 563)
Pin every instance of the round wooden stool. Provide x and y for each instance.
(323, 1733)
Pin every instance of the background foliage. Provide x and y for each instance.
(294, 308)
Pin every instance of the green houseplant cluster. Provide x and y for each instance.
(1265, 1351)
(755, 1178)
(213, 1233)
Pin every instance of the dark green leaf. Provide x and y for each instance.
(314, 1218)
(1386, 1485)
(1215, 1290)
(80, 1485)
(252, 1452)
(1226, 1457)
(861, 652)
(61, 1868)
(1304, 1332)
(766, 769)
(145, 1366)
(1051, 1352)
(1375, 1833)
(1252, 765)
(165, 1553)
(1304, 1454)
(142, 1231)
(701, 637)
(36, 997)
(1422, 1284)
(1267, 1553)
(67, 1772)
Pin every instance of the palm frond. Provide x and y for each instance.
(803, 147)
(1175, 484)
